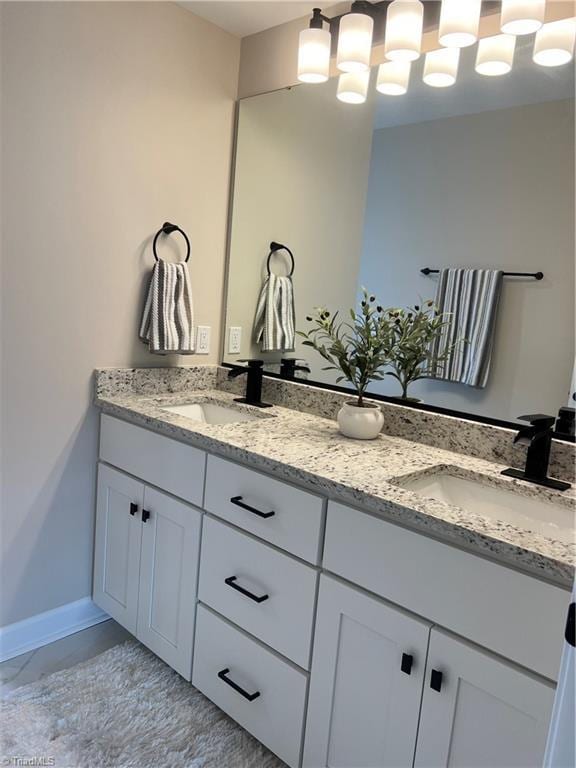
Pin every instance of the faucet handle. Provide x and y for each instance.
(253, 363)
(539, 420)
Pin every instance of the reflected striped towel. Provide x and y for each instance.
(168, 318)
(470, 297)
(274, 321)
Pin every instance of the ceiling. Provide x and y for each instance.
(245, 17)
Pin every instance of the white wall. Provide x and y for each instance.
(115, 117)
(301, 179)
(494, 189)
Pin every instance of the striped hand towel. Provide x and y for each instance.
(274, 321)
(470, 297)
(168, 318)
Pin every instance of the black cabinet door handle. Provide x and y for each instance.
(145, 515)
(436, 680)
(407, 661)
(570, 632)
(239, 503)
(133, 508)
(231, 581)
(248, 696)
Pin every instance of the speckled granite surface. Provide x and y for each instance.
(460, 435)
(307, 449)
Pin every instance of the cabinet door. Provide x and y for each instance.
(117, 545)
(168, 576)
(482, 712)
(363, 708)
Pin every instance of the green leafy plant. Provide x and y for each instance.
(415, 330)
(358, 349)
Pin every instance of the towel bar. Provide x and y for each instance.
(535, 275)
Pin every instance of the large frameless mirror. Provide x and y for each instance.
(393, 195)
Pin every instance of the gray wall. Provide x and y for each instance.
(115, 117)
(494, 189)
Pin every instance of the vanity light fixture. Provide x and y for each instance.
(314, 51)
(393, 77)
(554, 43)
(441, 67)
(459, 20)
(522, 17)
(404, 22)
(353, 87)
(399, 24)
(354, 42)
(495, 55)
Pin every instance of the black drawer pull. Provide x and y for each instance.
(239, 503)
(436, 680)
(133, 508)
(407, 661)
(249, 696)
(145, 515)
(231, 581)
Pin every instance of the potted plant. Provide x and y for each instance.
(358, 350)
(414, 353)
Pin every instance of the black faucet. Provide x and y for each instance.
(289, 366)
(254, 372)
(538, 438)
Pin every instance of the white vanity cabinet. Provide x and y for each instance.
(388, 690)
(334, 637)
(478, 710)
(366, 684)
(145, 564)
(118, 541)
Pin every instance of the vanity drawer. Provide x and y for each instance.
(284, 619)
(513, 614)
(276, 716)
(172, 466)
(281, 514)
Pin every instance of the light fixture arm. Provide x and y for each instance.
(318, 19)
(358, 6)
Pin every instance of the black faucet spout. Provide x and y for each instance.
(254, 375)
(538, 439)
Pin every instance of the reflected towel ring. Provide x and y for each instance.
(274, 247)
(167, 229)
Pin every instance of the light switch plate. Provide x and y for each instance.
(203, 340)
(234, 340)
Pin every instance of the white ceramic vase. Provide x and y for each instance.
(360, 423)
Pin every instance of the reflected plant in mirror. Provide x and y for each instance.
(414, 354)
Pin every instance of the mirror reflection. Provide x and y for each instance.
(447, 201)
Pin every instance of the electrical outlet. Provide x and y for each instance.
(234, 340)
(203, 340)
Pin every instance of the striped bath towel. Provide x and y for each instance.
(274, 321)
(470, 297)
(168, 318)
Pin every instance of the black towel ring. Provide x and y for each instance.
(167, 229)
(274, 247)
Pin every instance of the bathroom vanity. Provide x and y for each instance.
(337, 614)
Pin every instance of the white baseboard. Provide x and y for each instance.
(44, 628)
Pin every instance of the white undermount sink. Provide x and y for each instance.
(499, 504)
(211, 413)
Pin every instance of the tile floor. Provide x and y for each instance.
(71, 650)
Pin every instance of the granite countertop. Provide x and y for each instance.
(308, 450)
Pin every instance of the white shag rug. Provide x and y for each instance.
(123, 709)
